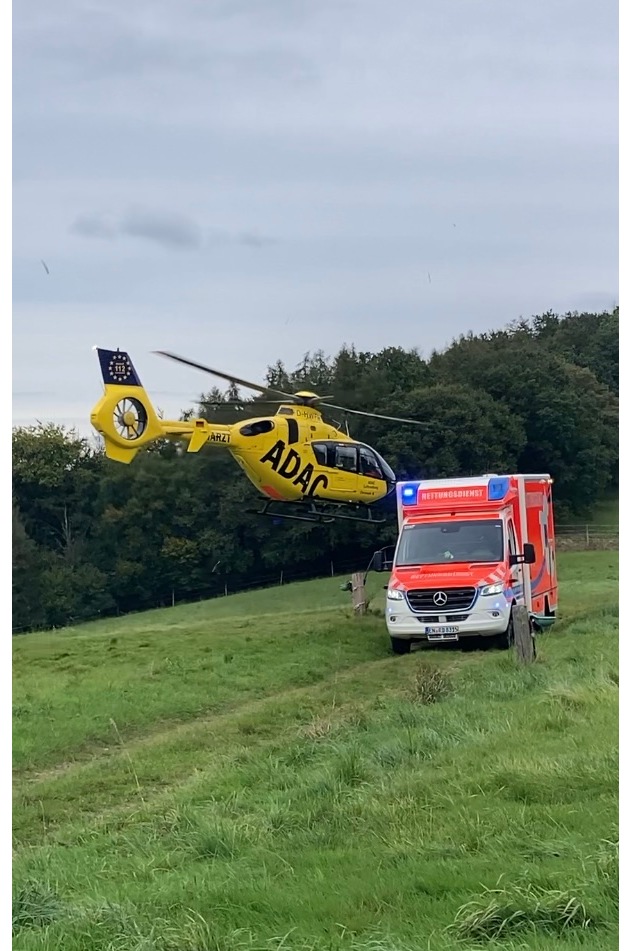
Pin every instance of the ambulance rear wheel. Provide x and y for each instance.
(400, 645)
(540, 629)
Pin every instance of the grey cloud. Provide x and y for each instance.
(89, 45)
(215, 237)
(249, 239)
(254, 240)
(169, 229)
(166, 228)
(279, 13)
(94, 226)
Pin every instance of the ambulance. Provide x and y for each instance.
(468, 550)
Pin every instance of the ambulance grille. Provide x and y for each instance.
(457, 599)
(450, 618)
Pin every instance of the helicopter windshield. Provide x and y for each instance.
(353, 457)
(371, 464)
(387, 470)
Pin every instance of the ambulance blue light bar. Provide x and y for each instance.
(498, 488)
(409, 493)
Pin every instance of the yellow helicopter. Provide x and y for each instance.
(304, 467)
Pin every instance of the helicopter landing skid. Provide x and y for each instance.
(323, 512)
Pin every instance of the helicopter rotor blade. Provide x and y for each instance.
(360, 412)
(245, 404)
(232, 413)
(224, 376)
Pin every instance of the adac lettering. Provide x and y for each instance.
(219, 437)
(291, 468)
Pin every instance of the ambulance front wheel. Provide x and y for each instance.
(506, 640)
(400, 645)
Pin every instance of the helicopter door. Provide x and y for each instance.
(344, 475)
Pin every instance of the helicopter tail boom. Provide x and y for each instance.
(127, 420)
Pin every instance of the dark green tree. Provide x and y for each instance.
(28, 564)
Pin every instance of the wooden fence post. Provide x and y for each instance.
(359, 604)
(524, 643)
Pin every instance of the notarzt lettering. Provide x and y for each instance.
(219, 437)
(291, 468)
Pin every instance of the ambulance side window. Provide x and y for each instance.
(511, 539)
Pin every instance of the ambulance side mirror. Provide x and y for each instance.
(527, 558)
(380, 561)
(529, 553)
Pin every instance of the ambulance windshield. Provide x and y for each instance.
(440, 543)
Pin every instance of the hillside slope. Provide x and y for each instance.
(258, 769)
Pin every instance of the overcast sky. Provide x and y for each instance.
(246, 180)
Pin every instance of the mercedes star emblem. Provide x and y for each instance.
(440, 598)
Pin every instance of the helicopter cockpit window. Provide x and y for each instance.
(346, 458)
(369, 464)
(321, 453)
(256, 429)
(285, 411)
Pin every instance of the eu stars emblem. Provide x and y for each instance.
(119, 368)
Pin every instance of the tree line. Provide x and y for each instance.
(93, 538)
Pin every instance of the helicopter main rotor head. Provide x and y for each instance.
(306, 398)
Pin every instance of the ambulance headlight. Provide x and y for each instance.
(492, 589)
(394, 594)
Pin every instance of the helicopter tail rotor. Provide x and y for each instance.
(124, 416)
(127, 420)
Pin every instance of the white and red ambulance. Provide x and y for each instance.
(468, 550)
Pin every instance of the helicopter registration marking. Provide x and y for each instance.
(291, 468)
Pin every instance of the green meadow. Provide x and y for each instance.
(259, 772)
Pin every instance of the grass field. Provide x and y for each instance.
(258, 772)
(607, 512)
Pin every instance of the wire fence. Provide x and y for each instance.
(588, 527)
(581, 537)
(229, 585)
(274, 579)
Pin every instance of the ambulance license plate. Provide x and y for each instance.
(441, 630)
